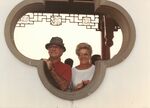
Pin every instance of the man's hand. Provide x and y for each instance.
(49, 64)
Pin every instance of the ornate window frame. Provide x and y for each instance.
(119, 14)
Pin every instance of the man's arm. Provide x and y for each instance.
(61, 82)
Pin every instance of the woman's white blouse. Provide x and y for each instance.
(82, 75)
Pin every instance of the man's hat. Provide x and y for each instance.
(56, 41)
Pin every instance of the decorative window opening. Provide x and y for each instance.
(104, 10)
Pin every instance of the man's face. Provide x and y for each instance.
(55, 51)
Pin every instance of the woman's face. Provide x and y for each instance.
(84, 56)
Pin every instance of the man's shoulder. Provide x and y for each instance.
(66, 65)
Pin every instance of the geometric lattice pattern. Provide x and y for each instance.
(90, 21)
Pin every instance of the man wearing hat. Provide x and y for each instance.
(59, 72)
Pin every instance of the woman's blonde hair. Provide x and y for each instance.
(83, 46)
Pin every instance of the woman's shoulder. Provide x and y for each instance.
(92, 66)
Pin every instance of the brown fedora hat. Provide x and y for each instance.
(56, 41)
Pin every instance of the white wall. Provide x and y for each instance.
(126, 85)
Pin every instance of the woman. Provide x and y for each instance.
(83, 73)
